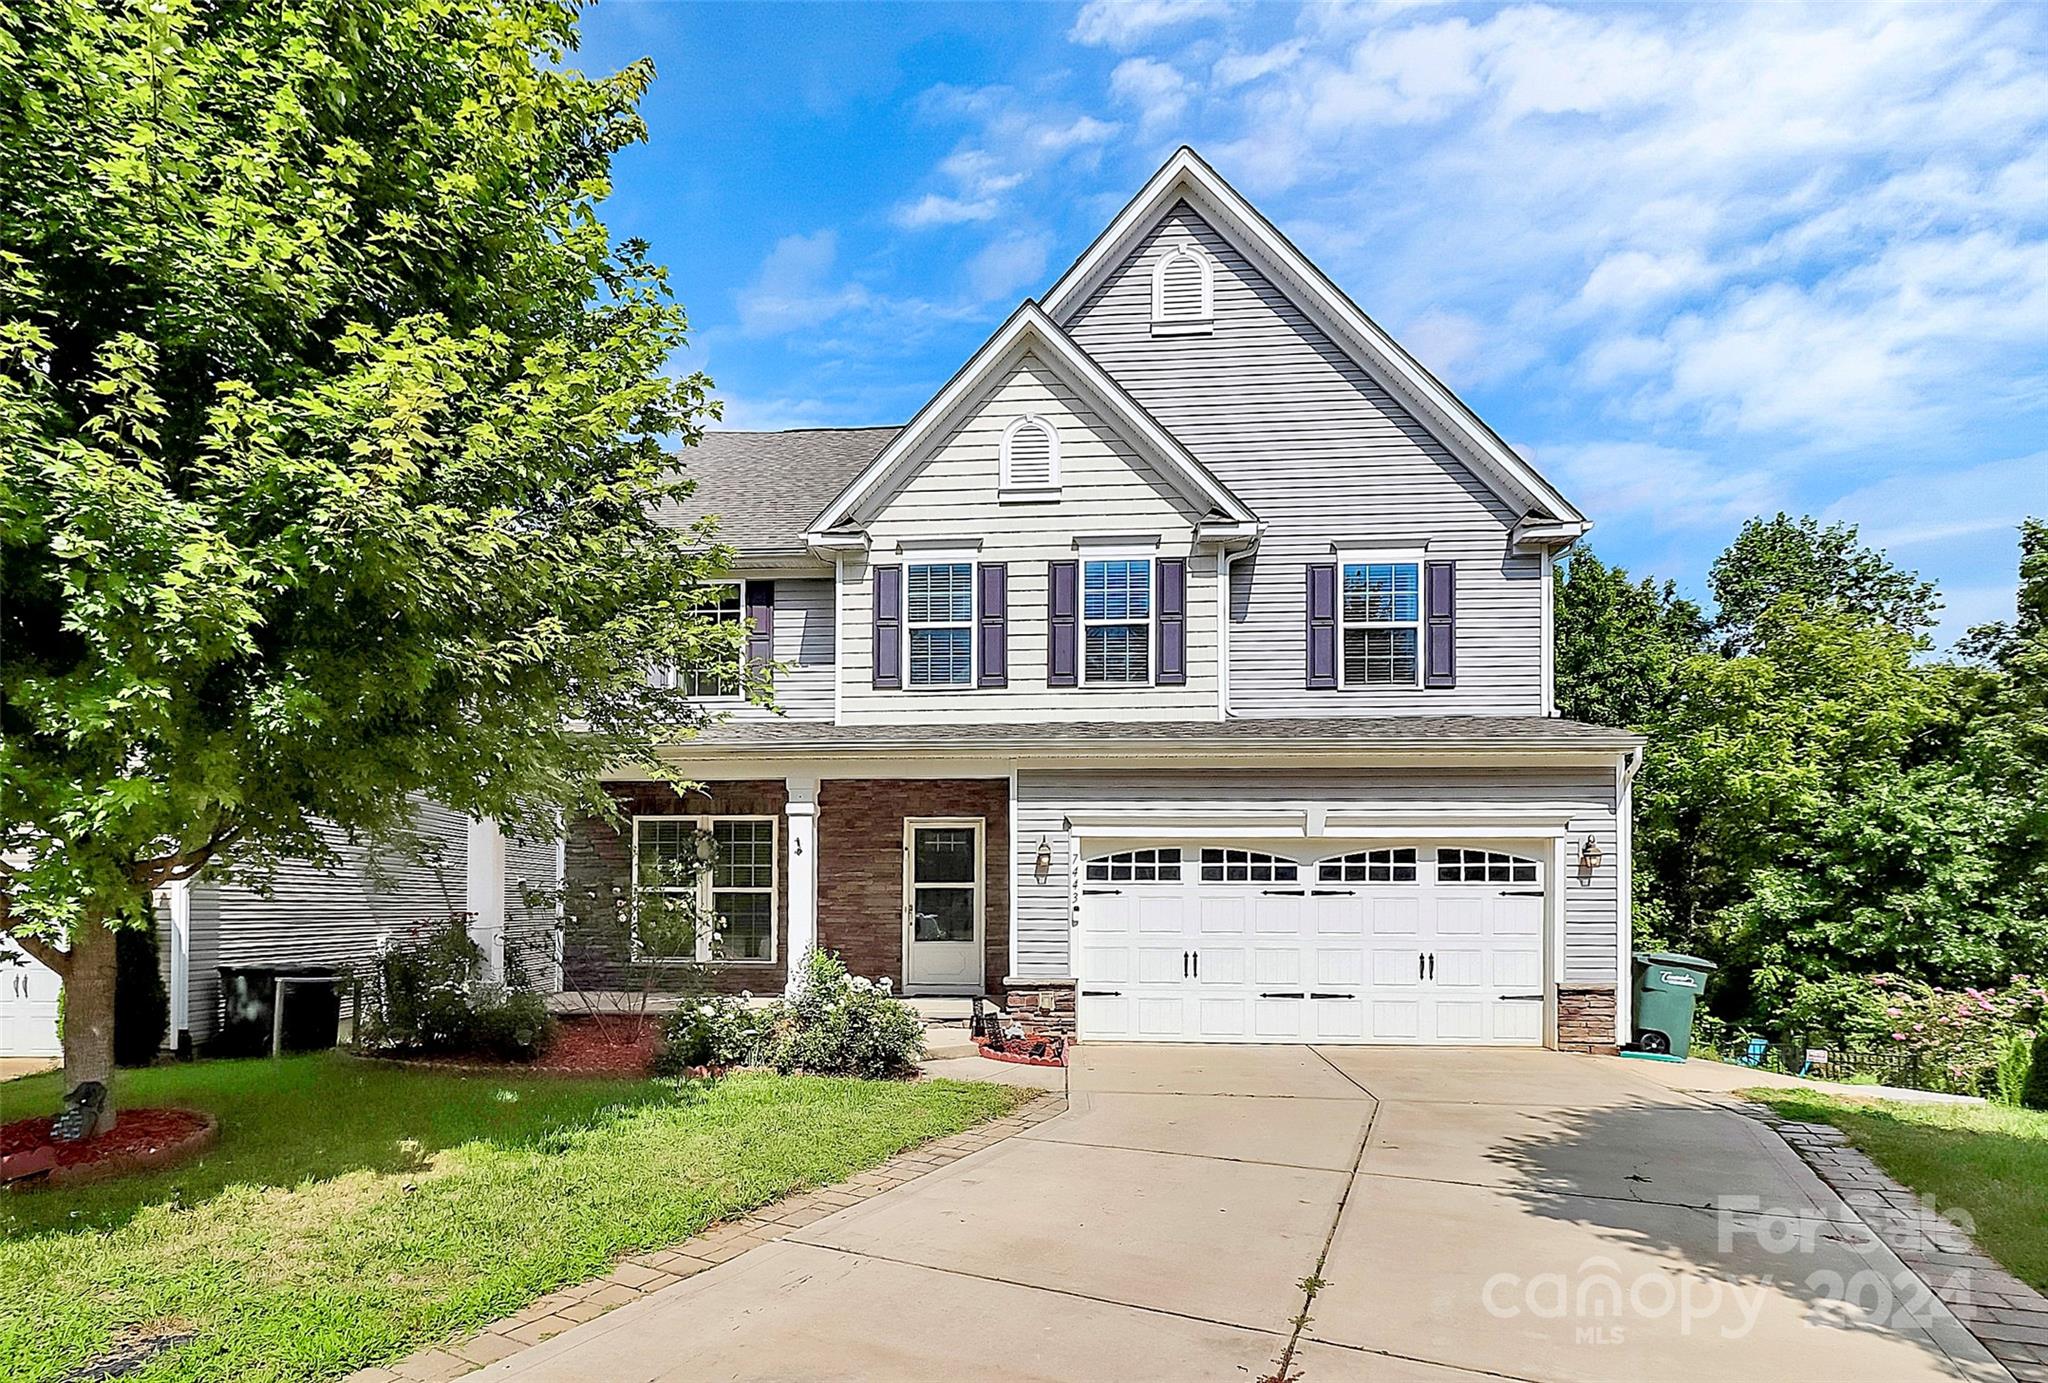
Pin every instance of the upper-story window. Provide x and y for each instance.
(1381, 620)
(1030, 466)
(938, 613)
(1183, 291)
(721, 680)
(1116, 619)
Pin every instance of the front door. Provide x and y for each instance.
(942, 906)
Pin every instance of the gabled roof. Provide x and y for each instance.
(1030, 328)
(1186, 176)
(764, 486)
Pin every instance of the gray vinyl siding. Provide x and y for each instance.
(530, 929)
(804, 647)
(329, 917)
(1320, 452)
(951, 495)
(1044, 799)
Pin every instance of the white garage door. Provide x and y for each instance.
(1202, 942)
(28, 1005)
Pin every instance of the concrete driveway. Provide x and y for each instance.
(1459, 1214)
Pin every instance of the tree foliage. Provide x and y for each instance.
(334, 427)
(1819, 798)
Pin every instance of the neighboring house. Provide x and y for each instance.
(1181, 672)
(339, 916)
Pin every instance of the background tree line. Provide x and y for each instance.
(1823, 802)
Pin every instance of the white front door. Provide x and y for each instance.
(942, 906)
(1232, 943)
(28, 1005)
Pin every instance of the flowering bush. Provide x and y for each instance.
(1960, 1033)
(836, 1024)
(430, 996)
(716, 1030)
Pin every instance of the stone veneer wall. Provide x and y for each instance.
(1585, 1018)
(860, 867)
(597, 862)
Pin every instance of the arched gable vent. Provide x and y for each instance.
(1031, 455)
(1184, 289)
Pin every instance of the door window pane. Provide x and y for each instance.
(945, 855)
(944, 914)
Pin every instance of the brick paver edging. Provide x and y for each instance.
(2008, 1317)
(640, 1273)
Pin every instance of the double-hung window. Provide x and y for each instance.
(938, 613)
(1381, 617)
(726, 603)
(1116, 619)
(726, 866)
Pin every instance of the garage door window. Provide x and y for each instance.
(1457, 866)
(1136, 866)
(1247, 867)
(1394, 866)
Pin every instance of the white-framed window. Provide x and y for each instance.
(1221, 865)
(1183, 291)
(716, 682)
(1457, 865)
(1394, 865)
(1030, 461)
(1379, 612)
(938, 623)
(730, 863)
(1152, 866)
(1116, 620)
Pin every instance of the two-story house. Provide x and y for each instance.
(1181, 672)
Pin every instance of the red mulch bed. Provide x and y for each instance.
(618, 1046)
(1024, 1058)
(141, 1140)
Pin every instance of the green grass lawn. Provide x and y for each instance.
(1989, 1160)
(352, 1212)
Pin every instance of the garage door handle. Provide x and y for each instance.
(1284, 994)
(1281, 892)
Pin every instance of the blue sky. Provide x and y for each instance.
(1698, 263)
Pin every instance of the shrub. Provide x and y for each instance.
(142, 1011)
(1957, 1038)
(716, 1030)
(2012, 1070)
(2034, 1094)
(431, 997)
(837, 1024)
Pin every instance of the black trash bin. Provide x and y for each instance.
(248, 1001)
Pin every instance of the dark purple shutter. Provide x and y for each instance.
(761, 615)
(1440, 631)
(1322, 626)
(1062, 623)
(993, 616)
(1173, 622)
(888, 644)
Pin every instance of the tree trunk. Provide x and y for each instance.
(89, 1011)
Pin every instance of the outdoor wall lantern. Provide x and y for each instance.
(1041, 863)
(1589, 857)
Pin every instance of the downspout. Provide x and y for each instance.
(1630, 764)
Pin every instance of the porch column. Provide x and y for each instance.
(485, 892)
(802, 931)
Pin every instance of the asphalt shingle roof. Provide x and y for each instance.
(766, 487)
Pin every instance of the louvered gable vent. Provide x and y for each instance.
(1031, 455)
(1182, 288)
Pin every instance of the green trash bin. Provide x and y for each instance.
(1667, 987)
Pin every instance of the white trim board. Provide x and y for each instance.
(1186, 176)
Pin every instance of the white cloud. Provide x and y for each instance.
(1008, 266)
(1158, 90)
(1120, 23)
(794, 288)
(1236, 69)
(1628, 280)
(933, 209)
(1666, 487)
(1917, 509)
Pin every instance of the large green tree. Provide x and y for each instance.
(1781, 558)
(333, 425)
(1619, 642)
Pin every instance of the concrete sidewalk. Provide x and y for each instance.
(1464, 1213)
